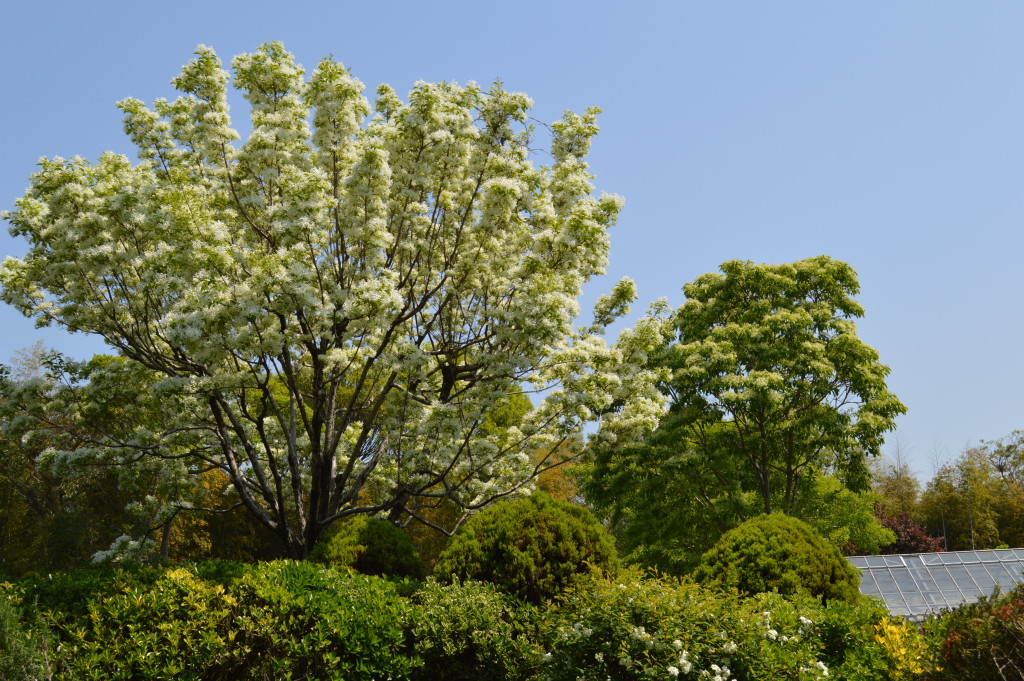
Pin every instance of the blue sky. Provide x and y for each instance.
(888, 135)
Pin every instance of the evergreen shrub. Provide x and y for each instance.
(276, 620)
(779, 553)
(67, 595)
(371, 546)
(176, 628)
(301, 620)
(533, 548)
(473, 632)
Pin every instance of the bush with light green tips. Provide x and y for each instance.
(532, 548)
(778, 553)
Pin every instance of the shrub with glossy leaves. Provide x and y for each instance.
(277, 620)
(533, 548)
(779, 553)
(371, 546)
(178, 627)
(300, 620)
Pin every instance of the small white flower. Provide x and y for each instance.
(673, 671)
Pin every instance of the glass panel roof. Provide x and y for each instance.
(919, 584)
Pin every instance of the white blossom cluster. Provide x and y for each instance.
(340, 301)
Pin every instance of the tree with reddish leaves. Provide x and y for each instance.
(911, 536)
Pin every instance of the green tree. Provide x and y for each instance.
(896, 485)
(770, 389)
(57, 513)
(1007, 457)
(976, 502)
(844, 517)
(338, 303)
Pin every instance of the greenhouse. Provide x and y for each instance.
(916, 585)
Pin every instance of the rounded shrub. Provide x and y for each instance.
(532, 548)
(371, 546)
(779, 553)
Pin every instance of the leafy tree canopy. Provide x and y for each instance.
(977, 501)
(770, 388)
(338, 303)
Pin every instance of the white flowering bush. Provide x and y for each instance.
(652, 628)
(331, 308)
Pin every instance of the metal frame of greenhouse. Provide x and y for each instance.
(916, 585)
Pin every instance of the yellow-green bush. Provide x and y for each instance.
(277, 620)
(178, 628)
(905, 646)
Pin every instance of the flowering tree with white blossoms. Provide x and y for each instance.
(332, 308)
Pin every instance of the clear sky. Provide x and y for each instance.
(886, 134)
